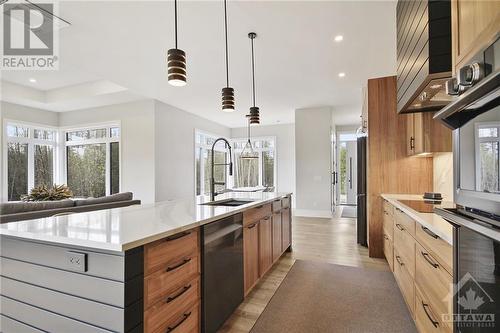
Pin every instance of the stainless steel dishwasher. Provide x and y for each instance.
(222, 273)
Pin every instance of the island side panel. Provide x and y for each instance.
(64, 288)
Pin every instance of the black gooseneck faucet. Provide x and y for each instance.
(212, 178)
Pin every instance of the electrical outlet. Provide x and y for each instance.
(77, 261)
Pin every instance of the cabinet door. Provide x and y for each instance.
(286, 228)
(475, 25)
(265, 245)
(277, 236)
(410, 136)
(251, 255)
(418, 133)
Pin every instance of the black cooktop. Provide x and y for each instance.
(421, 206)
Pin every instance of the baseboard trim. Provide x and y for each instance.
(312, 213)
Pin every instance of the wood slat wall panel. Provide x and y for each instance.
(389, 168)
(414, 61)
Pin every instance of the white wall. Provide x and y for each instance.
(312, 152)
(175, 150)
(285, 151)
(137, 142)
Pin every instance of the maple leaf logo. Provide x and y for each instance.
(471, 301)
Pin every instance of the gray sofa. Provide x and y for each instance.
(19, 210)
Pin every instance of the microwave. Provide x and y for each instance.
(474, 116)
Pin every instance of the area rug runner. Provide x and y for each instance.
(321, 297)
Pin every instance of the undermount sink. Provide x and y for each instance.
(228, 202)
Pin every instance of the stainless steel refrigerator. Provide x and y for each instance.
(362, 195)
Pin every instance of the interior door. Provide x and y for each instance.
(334, 174)
(352, 174)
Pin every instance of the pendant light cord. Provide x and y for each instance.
(175, 10)
(253, 75)
(227, 56)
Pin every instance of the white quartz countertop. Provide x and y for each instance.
(432, 221)
(121, 229)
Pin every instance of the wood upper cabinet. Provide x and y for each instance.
(475, 25)
(251, 255)
(426, 135)
(265, 245)
(277, 236)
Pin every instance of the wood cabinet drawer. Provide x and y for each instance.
(388, 207)
(163, 282)
(277, 204)
(434, 281)
(405, 282)
(426, 318)
(404, 244)
(388, 225)
(439, 248)
(285, 202)
(159, 254)
(404, 221)
(188, 321)
(172, 306)
(388, 251)
(256, 214)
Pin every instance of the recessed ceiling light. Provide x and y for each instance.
(339, 38)
(341, 74)
(32, 80)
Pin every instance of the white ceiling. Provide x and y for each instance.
(297, 61)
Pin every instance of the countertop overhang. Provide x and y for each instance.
(432, 221)
(122, 229)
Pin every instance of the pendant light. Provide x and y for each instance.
(254, 116)
(176, 61)
(227, 92)
(248, 152)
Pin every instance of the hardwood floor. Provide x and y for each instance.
(317, 239)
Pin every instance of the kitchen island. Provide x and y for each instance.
(129, 269)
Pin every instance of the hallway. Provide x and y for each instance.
(315, 239)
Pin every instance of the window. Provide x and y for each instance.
(255, 172)
(30, 158)
(93, 161)
(488, 157)
(203, 147)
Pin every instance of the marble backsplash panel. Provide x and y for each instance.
(443, 174)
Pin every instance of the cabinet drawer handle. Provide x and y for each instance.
(252, 225)
(180, 293)
(385, 236)
(426, 257)
(277, 200)
(398, 259)
(182, 263)
(267, 217)
(430, 233)
(434, 323)
(177, 236)
(183, 319)
(259, 207)
(385, 212)
(400, 227)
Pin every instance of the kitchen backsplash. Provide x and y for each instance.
(443, 174)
